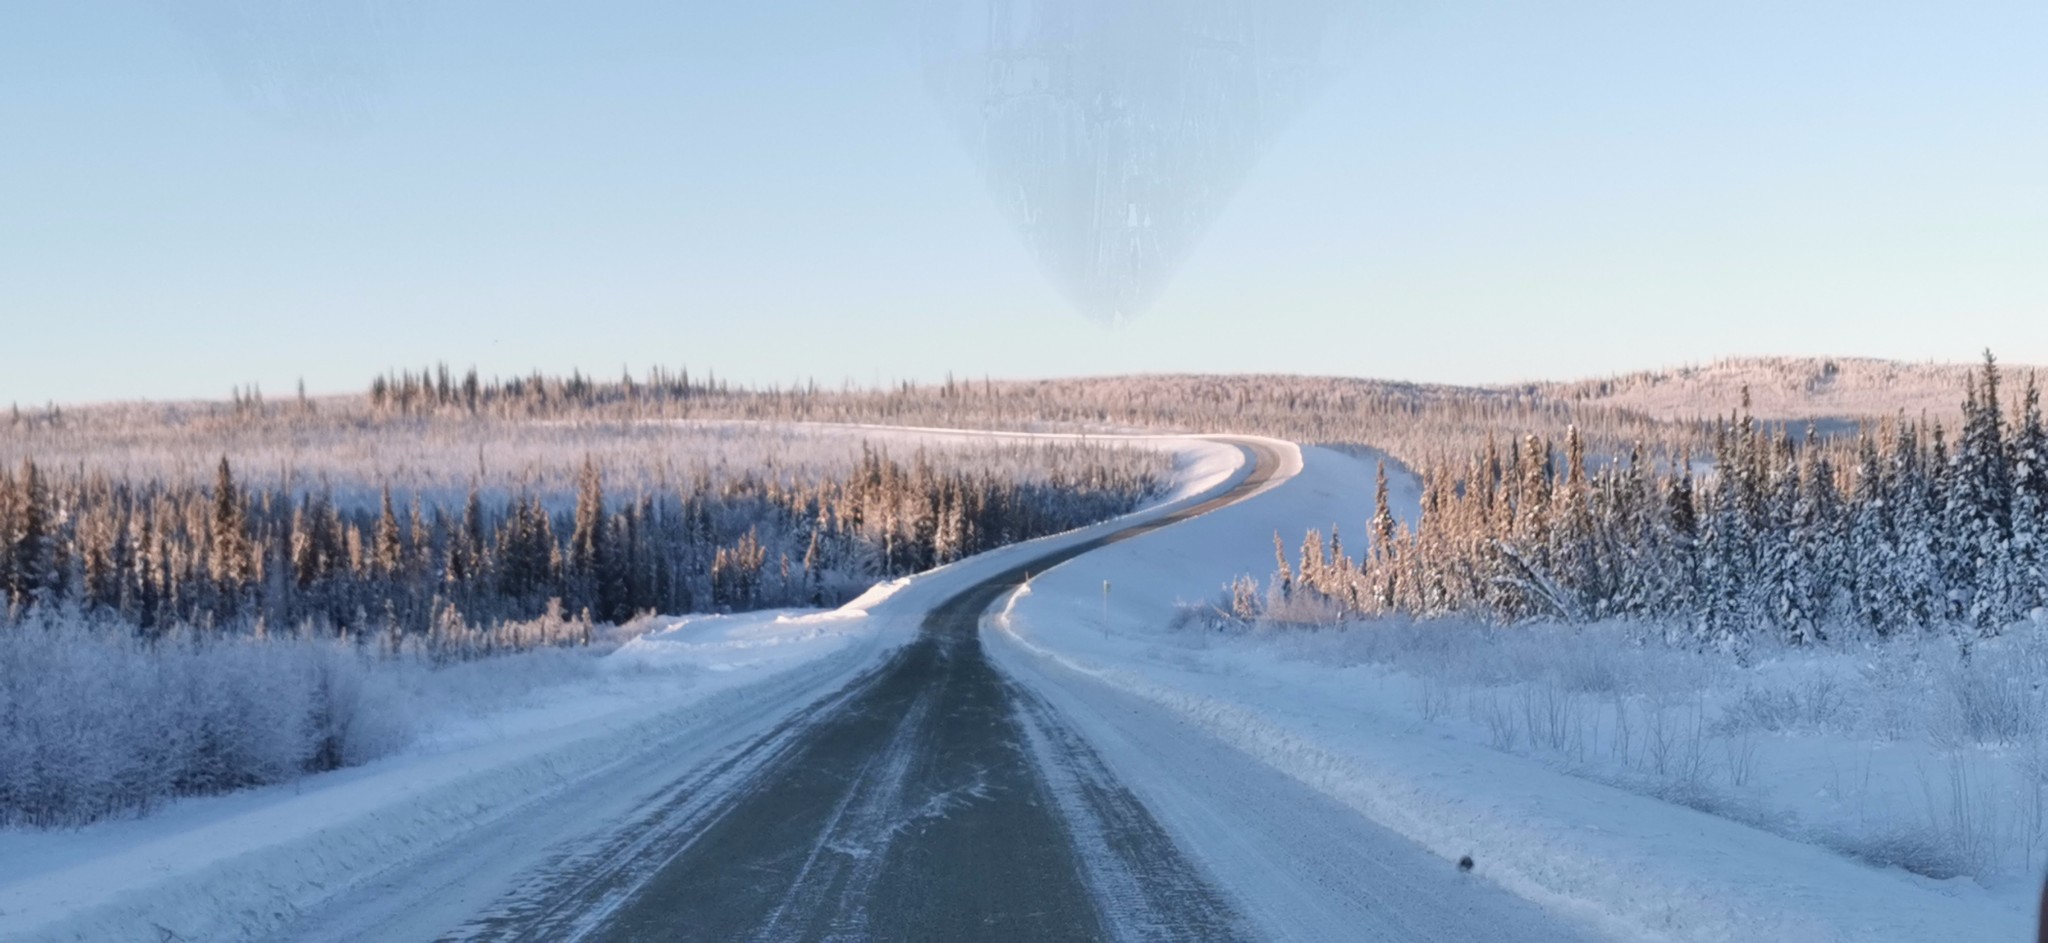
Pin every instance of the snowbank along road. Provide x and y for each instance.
(933, 798)
(992, 750)
(885, 777)
(910, 805)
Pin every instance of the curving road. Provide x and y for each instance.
(932, 799)
(945, 793)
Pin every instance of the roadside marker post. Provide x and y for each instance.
(1105, 609)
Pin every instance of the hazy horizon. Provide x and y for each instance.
(289, 390)
(217, 194)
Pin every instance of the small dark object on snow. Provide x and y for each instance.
(1465, 863)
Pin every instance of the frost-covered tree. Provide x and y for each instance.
(229, 551)
(1888, 531)
(27, 564)
(1978, 504)
(2028, 561)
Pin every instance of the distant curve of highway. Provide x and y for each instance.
(913, 805)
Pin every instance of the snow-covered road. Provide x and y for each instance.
(1318, 805)
(939, 797)
(415, 845)
(1014, 746)
(930, 798)
(1294, 863)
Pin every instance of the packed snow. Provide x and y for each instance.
(554, 759)
(1326, 778)
(1557, 802)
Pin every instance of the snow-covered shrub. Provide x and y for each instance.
(352, 716)
(1900, 752)
(1911, 846)
(97, 721)
(1206, 617)
(1992, 698)
(1818, 703)
(1761, 709)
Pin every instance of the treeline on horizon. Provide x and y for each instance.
(167, 632)
(1415, 422)
(469, 580)
(1411, 420)
(1900, 529)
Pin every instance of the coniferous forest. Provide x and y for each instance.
(159, 554)
(1904, 527)
(245, 591)
(167, 631)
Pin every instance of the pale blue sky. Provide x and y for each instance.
(197, 194)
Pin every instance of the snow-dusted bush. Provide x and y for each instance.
(173, 622)
(96, 721)
(1912, 846)
(1816, 703)
(1992, 697)
(1920, 753)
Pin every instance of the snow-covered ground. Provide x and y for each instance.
(557, 761)
(1579, 802)
(245, 863)
(1326, 779)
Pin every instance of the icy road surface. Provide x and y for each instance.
(864, 773)
(936, 798)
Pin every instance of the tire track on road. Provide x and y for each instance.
(973, 793)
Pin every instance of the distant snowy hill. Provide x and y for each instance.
(1784, 388)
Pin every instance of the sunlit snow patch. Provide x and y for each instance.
(749, 639)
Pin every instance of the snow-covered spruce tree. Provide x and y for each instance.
(1380, 552)
(1979, 505)
(594, 579)
(1873, 552)
(1919, 599)
(27, 563)
(387, 554)
(2028, 559)
(169, 555)
(229, 551)
(1887, 531)
(1283, 575)
(1785, 568)
(1681, 590)
(1727, 566)
(1574, 552)
(1314, 562)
